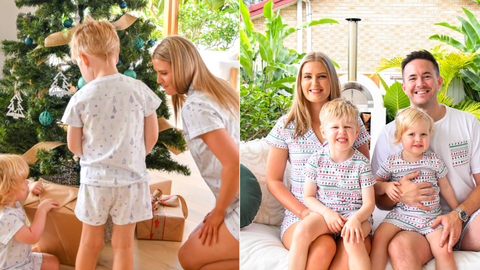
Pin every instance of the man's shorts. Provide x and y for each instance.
(126, 204)
(464, 230)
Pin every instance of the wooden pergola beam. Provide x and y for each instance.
(170, 26)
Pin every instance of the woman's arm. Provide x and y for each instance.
(226, 151)
(276, 164)
(364, 150)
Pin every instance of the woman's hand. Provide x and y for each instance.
(352, 231)
(210, 227)
(334, 221)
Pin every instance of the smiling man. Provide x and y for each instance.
(456, 140)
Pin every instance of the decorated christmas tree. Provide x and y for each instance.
(39, 79)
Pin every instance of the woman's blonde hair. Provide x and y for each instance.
(408, 117)
(13, 171)
(339, 108)
(188, 69)
(299, 111)
(97, 38)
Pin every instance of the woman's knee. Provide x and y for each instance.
(186, 257)
(322, 248)
(50, 262)
(304, 234)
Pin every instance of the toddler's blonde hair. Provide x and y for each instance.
(408, 117)
(339, 109)
(97, 38)
(13, 170)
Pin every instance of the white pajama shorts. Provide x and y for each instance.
(126, 204)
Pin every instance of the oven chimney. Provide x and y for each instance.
(352, 48)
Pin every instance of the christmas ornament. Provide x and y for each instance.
(151, 42)
(130, 73)
(138, 43)
(123, 4)
(81, 83)
(56, 90)
(45, 118)
(119, 62)
(16, 111)
(67, 23)
(28, 41)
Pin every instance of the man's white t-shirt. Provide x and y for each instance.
(456, 140)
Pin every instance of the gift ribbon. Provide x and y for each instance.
(165, 200)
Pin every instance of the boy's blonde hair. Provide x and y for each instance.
(408, 117)
(95, 38)
(188, 69)
(299, 111)
(339, 109)
(13, 170)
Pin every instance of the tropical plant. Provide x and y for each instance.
(470, 30)
(268, 71)
(451, 66)
(395, 98)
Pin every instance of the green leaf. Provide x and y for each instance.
(395, 99)
(264, 48)
(450, 41)
(322, 21)
(470, 106)
(469, 31)
(453, 27)
(268, 11)
(471, 78)
(475, 25)
(246, 22)
(384, 84)
(335, 64)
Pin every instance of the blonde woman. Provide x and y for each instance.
(209, 109)
(294, 139)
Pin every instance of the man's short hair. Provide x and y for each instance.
(422, 54)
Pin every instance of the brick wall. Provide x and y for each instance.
(388, 28)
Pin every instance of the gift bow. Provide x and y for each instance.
(165, 200)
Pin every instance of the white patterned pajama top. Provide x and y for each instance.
(299, 151)
(201, 115)
(15, 254)
(408, 217)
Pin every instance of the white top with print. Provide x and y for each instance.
(431, 168)
(111, 111)
(456, 140)
(339, 185)
(201, 115)
(13, 253)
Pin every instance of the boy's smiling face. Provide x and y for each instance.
(340, 134)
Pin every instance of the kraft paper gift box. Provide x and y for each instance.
(161, 183)
(61, 236)
(168, 221)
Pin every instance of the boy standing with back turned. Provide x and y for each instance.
(112, 126)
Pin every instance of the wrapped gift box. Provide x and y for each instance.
(157, 182)
(168, 222)
(61, 236)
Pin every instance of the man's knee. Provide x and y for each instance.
(408, 250)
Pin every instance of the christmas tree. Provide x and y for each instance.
(40, 78)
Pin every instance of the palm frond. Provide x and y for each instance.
(444, 99)
(384, 63)
(470, 106)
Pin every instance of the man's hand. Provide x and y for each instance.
(452, 228)
(413, 194)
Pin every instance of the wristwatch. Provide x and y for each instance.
(462, 214)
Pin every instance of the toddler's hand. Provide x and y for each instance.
(352, 231)
(393, 192)
(334, 221)
(47, 205)
(36, 188)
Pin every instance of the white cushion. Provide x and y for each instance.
(253, 155)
